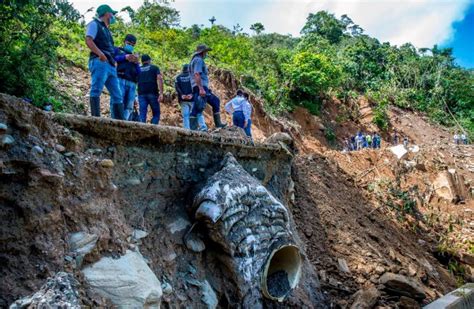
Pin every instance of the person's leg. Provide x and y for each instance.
(215, 103)
(186, 112)
(198, 108)
(128, 98)
(99, 75)
(248, 129)
(112, 84)
(238, 119)
(201, 122)
(155, 108)
(143, 107)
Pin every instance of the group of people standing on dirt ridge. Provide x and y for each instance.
(460, 138)
(362, 140)
(119, 70)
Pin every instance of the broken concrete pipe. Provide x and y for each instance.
(253, 231)
(284, 260)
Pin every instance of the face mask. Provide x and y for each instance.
(112, 20)
(128, 48)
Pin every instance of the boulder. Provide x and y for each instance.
(59, 291)
(401, 285)
(107, 163)
(127, 282)
(7, 141)
(365, 299)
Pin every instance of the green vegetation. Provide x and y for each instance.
(332, 57)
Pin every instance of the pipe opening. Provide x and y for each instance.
(282, 272)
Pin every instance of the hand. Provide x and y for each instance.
(102, 57)
(184, 97)
(160, 98)
(202, 92)
(246, 122)
(131, 58)
(189, 96)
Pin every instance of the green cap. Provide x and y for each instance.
(103, 9)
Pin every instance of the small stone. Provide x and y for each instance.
(167, 288)
(139, 234)
(343, 265)
(37, 149)
(202, 170)
(254, 170)
(7, 141)
(194, 243)
(133, 181)
(107, 163)
(69, 154)
(411, 270)
(60, 148)
(379, 270)
(68, 258)
(3, 128)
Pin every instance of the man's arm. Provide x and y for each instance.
(90, 43)
(228, 107)
(159, 78)
(197, 69)
(178, 89)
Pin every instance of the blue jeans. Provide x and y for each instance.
(238, 120)
(149, 99)
(128, 89)
(210, 98)
(186, 108)
(104, 74)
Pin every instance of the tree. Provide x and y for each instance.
(325, 25)
(157, 14)
(257, 28)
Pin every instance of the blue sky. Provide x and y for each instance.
(448, 23)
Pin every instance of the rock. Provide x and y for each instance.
(412, 270)
(60, 148)
(37, 149)
(3, 128)
(178, 225)
(107, 163)
(58, 292)
(208, 296)
(343, 266)
(401, 285)
(133, 181)
(127, 282)
(7, 141)
(139, 234)
(278, 137)
(399, 151)
(194, 243)
(365, 299)
(379, 270)
(82, 243)
(166, 288)
(408, 303)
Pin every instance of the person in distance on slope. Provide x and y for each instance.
(202, 93)
(184, 90)
(128, 69)
(102, 63)
(240, 110)
(150, 90)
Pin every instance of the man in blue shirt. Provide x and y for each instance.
(184, 90)
(128, 69)
(102, 63)
(150, 90)
(202, 93)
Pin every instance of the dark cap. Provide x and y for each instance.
(240, 92)
(103, 9)
(185, 68)
(145, 58)
(130, 38)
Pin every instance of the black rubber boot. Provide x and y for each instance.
(118, 111)
(217, 121)
(95, 106)
(193, 123)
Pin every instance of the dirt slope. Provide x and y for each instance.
(366, 209)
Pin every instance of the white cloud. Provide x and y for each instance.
(421, 22)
